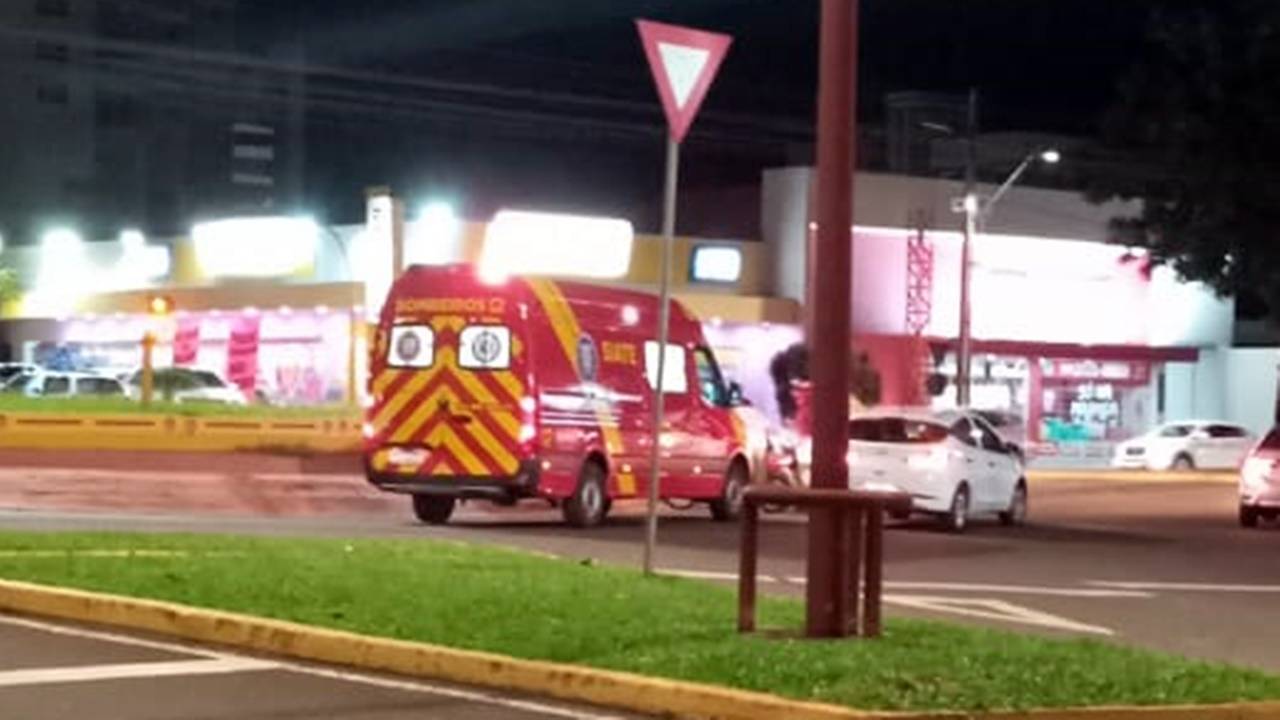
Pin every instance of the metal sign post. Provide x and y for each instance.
(684, 62)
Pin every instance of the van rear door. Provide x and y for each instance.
(454, 399)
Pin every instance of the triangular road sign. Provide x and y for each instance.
(684, 61)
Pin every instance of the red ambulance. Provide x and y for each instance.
(531, 388)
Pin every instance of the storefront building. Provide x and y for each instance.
(1083, 341)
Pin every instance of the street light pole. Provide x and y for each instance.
(964, 352)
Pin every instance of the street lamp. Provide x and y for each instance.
(976, 213)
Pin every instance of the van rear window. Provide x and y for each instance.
(896, 430)
(485, 347)
(412, 346)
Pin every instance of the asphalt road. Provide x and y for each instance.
(1160, 565)
(53, 671)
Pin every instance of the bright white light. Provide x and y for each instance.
(1, 243)
(255, 247)
(61, 240)
(712, 263)
(971, 203)
(630, 315)
(1051, 156)
(565, 245)
(133, 241)
(435, 238)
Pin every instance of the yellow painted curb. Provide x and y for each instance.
(1131, 476)
(625, 691)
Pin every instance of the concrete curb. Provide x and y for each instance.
(1131, 476)
(619, 690)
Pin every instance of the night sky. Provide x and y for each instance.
(1041, 64)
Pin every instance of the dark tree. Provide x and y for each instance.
(1198, 121)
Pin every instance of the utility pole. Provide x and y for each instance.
(829, 300)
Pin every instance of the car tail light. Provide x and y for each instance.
(1257, 469)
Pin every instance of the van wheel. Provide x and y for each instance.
(956, 520)
(1017, 512)
(1183, 463)
(1248, 516)
(587, 506)
(433, 509)
(728, 506)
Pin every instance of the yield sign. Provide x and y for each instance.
(684, 61)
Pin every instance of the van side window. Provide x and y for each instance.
(710, 383)
(674, 380)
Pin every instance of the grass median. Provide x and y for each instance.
(533, 607)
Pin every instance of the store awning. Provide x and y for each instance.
(1070, 351)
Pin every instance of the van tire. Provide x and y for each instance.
(589, 503)
(433, 509)
(728, 507)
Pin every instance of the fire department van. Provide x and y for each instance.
(531, 388)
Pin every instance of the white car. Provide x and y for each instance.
(188, 385)
(55, 384)
(1260, 481)
(951, 462)
(1186, 445)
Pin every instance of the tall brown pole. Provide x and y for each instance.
(829, 299)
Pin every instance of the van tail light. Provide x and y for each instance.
(368, 430)
(528, 420)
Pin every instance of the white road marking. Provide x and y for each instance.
(126, 671)
(1019, 589)
(1006, 589)
(1186, 587)
(992, 609)
(424, 688)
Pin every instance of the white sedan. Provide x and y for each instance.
(952, 463)
(1186, 445)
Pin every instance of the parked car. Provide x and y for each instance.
(49, 383)
(951, 462)
(1186, 445)
(1260, 481)
(184, 385)
(9, 369)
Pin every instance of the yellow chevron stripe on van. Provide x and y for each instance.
(565, 325)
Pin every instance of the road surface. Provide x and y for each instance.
(53, 671)
(1160, 565)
